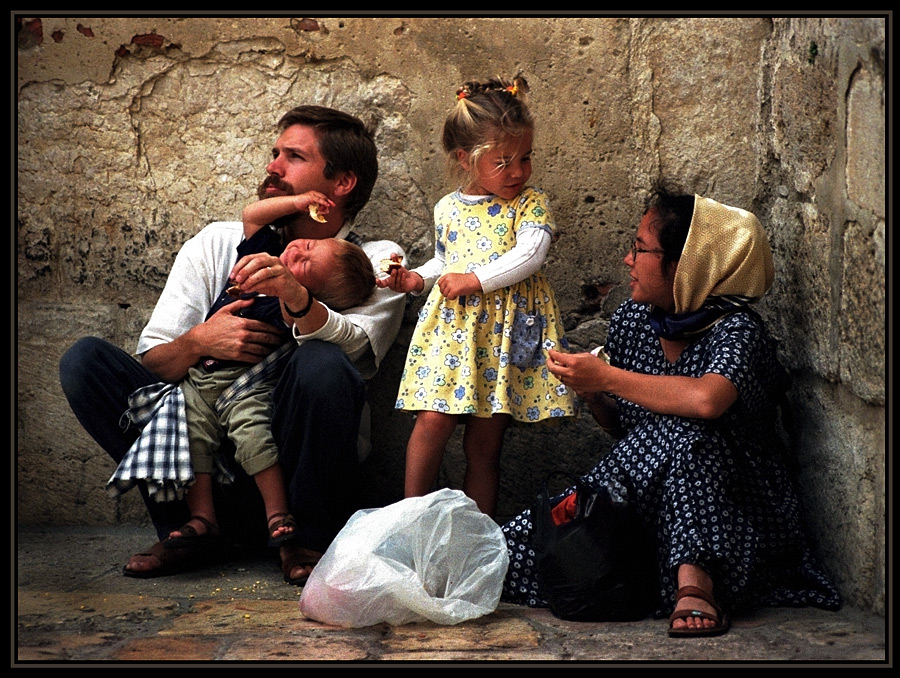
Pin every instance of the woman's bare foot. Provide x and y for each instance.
(691, 603)
(691, 575)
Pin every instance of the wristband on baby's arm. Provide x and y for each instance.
(303, 311)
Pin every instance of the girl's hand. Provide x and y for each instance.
(453, 285)
(401, 280)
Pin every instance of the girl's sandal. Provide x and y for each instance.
(278, 521)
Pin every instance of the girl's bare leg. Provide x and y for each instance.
(483, 443)
(425, 451)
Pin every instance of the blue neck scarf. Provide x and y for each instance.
(677, 326)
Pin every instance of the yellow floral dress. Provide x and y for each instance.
(484, 354)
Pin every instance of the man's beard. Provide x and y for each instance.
(273, 180)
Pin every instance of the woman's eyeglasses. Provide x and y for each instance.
(635, 250)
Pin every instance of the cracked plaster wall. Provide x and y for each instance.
(134, 133)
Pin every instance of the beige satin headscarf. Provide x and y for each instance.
(726, 253)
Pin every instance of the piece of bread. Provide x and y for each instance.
(314, 213)
(390, 265)
(600, 352)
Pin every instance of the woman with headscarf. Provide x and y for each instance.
(690, 380)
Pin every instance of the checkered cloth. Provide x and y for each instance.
(161, 454)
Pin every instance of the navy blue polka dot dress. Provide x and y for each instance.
(716, 491)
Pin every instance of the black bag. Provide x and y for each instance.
(600, 566)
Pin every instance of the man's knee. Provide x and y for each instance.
(80, 353)
(318, 369)
(320, 394)
(80, 361)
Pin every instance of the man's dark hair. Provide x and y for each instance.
(346, 144)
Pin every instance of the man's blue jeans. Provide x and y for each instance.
(318, 404)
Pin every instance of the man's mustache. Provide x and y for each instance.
(276, 182)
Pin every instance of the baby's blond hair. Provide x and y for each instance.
(352, 279)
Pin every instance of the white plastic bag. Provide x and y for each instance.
(434, 558)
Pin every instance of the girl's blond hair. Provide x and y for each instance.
(485, 114)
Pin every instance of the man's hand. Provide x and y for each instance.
(265, 274)
(225, 335)
(228, 336)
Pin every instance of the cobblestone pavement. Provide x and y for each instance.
(74, 605)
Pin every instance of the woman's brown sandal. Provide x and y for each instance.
(722, 623)
(278, 521)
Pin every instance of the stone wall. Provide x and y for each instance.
(135, 132)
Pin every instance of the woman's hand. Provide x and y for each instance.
(581, 372)
(584, 374)
(705, 397)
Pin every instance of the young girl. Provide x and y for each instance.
(479, 348)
